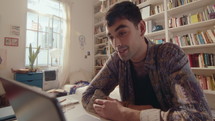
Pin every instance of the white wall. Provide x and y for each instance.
(13, 12)
(82, 24)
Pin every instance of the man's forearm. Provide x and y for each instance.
(136, 107)
(130, 114)
(140, 107)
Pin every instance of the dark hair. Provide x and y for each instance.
(123, 10)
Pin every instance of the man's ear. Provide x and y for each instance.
(142, 27)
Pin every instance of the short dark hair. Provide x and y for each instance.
(123, 10)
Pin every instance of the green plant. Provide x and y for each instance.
(32, 56)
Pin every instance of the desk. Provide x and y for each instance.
(78, 113)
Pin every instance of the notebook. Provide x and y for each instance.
(30, 104)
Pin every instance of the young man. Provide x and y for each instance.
(155, 81)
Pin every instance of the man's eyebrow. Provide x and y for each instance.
(119, 27)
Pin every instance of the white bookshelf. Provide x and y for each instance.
(192, 26)
(153, 34)
(188, 7)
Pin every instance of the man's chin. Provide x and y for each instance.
(123, 58)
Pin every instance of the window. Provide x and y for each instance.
(45, 28)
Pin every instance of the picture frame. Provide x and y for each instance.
(10, 41)
(15, 30)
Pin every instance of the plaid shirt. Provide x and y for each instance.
(177, 90)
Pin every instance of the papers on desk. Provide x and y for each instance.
(7, 113)
(67, 101)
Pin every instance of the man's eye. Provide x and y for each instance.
(122, 34)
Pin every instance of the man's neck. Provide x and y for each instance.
(141, 54)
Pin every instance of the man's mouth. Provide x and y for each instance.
(122, 49)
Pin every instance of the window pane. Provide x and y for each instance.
(43, 41)
(56, 40)
(49, 37)
(32, 21)
(57, 25)
(45, 28)
(44, 22)
(26, 56)
(43, 57)
(49, 7)
(33, 4)
(31, 37)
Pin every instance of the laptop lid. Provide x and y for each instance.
(30, 104)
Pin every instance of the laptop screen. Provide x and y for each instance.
(30, 104)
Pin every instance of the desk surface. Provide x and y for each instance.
(76, 112)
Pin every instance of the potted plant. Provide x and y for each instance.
(32, 57)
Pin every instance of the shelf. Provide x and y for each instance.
(203, 71)
(101, 44)
(193, 26)
(101, 55)
(158, 16)
(149, 2)
(98, 66)
(157, 33)
(199, 46)
(100, 34)
(189, 6)
(212, 92)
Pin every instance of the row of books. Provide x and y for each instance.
(202, 60)
(158, 41)
(157, 9)
(206, 82)
(175, 3)
(205, 15)
(100, 61)
(199, 38)
(101, 40)
(138, 1)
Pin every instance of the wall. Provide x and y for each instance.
(13, 12)
(82, 24)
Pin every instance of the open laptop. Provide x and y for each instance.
(30, 104)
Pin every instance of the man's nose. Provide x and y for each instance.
(117, 42)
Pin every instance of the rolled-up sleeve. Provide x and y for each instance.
(102, 84)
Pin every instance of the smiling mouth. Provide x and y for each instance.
(122, 49)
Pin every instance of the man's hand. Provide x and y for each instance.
(109, 109)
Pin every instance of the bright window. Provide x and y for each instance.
(45, 28)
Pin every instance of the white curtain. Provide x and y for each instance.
(64, 69)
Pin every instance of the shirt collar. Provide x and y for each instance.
(150, 54)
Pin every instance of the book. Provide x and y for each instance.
(145, 12)
(194, 18)
(211, 34)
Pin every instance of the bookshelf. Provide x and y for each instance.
(174, 10)
(171, 10)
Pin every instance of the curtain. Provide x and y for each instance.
(64, 69)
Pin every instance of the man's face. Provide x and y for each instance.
(125, 38)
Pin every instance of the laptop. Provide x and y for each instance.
(30, 104)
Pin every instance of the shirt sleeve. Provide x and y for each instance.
(181, 90)
(102, 84)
